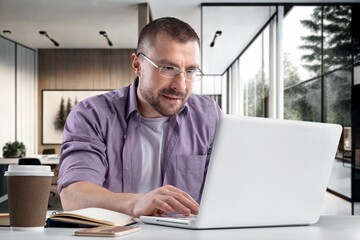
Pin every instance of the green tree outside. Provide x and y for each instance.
(324, 52)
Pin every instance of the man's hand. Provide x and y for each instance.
(164, 200)
(159, 201)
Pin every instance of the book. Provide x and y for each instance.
(86, 217)
(4, 219)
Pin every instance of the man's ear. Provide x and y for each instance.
(135, 64)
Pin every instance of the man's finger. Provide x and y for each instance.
(181, 203)
(179, 191)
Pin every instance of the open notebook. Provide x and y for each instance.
(264, 172)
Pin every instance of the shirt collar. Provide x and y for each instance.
(132, 105)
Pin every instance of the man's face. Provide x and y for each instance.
(158, 95)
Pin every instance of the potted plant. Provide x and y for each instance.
(14, 150)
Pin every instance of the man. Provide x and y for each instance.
(143, 149)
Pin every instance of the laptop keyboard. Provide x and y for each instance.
(180, 216)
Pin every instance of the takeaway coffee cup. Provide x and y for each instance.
(28, 196)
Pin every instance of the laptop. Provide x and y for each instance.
(264, 172)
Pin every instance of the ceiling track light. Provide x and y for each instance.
(103, 33)
(6, 32)
(43, 33)
(217, 33)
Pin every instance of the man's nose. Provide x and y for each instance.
(179, 82)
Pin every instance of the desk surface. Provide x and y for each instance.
(45, 159)
(328, 227)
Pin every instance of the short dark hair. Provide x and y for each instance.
(180, 31)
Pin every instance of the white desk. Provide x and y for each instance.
(328, 228)
(44, 159)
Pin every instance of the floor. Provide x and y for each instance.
(340, 180)
(334, 205)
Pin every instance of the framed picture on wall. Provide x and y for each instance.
(56, 105)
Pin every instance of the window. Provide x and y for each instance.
(303, 101)
(338, 97)
(254, 75)
(302, 48)
(337, 37)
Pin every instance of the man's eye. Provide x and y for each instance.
(168, 68)
(191, 71)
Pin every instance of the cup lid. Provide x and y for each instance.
(29, 170)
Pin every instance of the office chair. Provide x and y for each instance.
(29, 161)
(48, 151)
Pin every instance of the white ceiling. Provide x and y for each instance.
(237, 32)
(76, 24)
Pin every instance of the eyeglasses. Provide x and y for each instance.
(168, 71)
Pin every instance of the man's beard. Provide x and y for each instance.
(156, 104)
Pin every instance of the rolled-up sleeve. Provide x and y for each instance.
(83, 151)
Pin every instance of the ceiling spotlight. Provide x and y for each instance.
(103, 33)
(43, 33)
(217, 33)
(6, 32)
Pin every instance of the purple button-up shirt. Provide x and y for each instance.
(101, 143)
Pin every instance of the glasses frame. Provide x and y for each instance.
(201, 74)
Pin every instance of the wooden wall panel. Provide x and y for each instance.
(77, 69)
(81, 69)
(102, 69)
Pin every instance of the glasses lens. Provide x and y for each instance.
(171, 72)
(194, 76)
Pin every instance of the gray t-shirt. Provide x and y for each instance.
(152, 133)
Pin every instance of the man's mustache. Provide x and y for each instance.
(172, 92)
